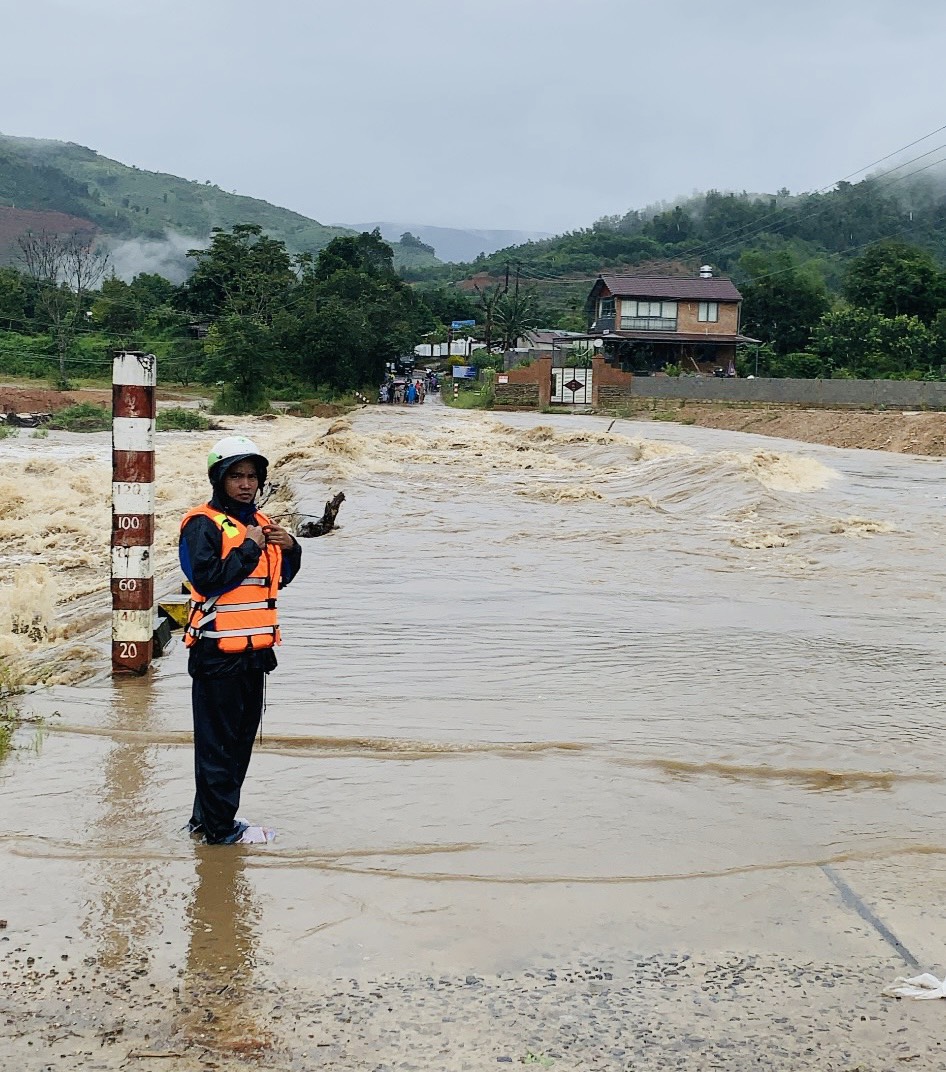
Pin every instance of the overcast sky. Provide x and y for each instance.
(528, 114)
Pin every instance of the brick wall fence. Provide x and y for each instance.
(898, 394)
(529, 387)
(527, 381)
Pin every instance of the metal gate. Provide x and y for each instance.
(571, 386)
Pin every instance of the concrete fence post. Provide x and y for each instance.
(133, 417)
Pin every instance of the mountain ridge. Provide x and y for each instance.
(454, 244)
(154, 216)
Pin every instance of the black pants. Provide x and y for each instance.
(227, 713)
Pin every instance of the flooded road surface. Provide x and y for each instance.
(558, 688)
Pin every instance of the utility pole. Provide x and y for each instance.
(506, 287)
(517, 280)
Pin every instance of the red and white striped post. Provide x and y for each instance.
(133, 413)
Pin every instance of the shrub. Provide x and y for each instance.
(8, 715)
(83, 417)
(183, 420)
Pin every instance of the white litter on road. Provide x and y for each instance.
(923, 986)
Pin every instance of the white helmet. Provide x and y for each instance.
(233, 449)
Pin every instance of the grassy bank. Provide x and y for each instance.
(470, 397)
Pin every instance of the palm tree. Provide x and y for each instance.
(515, 314)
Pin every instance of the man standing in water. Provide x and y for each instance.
(236, 560)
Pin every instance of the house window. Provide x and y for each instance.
(708, 312)
(648, 315)
(605, 308)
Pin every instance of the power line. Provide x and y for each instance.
(739, 238)
(758, 226)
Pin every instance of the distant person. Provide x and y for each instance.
(236, 560)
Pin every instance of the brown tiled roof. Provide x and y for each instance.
(716, 288)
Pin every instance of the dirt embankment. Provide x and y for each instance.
(900, 431)
(14, 399)
(41, 399)
(44, 400)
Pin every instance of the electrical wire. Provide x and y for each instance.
(759, 226)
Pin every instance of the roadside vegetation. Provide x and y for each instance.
(178, 419)
(839, 284)
(7, 726)
(471, 396)
(9, 719)
(252, 321)
(82, 417)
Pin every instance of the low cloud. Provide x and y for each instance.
(165, 256)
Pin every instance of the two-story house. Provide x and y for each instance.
(648, 322)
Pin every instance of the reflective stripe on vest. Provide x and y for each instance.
(244, 618)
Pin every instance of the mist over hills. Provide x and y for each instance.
(149, 219)
(453, 243)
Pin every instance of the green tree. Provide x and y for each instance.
(782, 302)
(184, 361)
(894, 278)
(352, 315)
(366, 252)
(331, 346)
(489, 298)
(411, 241)
(243, 272)
(515, 314)
(858, 342)
(116, 309)
(902, 345)
(448, 303)
(239, 355)
(151, 290)
(65, 268)
(802, 366)
(13, 300)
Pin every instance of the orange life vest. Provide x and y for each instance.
(243, 619)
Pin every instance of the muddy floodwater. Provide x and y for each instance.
(592, 744)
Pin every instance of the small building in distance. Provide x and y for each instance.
(647, 322)
(541, 342)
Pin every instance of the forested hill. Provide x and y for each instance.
(822, 230)
(128, 203)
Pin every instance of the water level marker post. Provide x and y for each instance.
(133, 416)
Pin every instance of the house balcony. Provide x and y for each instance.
(647, 323)
(603, 323)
